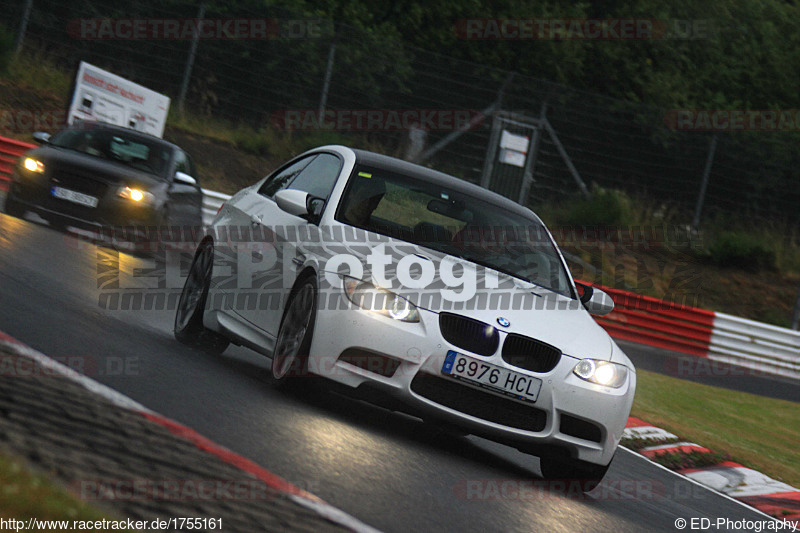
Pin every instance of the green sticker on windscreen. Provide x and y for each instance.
(365, 174)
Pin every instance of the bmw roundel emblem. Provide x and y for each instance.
(503, 322)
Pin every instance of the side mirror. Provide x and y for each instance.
(183, 177)
(41, 137)
(293, 201)
(594, 300)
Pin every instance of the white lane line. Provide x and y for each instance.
(334, 514)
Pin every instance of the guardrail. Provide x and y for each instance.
(761, 347)
(212, 201)
(10, 150)
(755, 345)
(658, 323)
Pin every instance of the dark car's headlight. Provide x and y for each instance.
(386, 303)
(33, 165)
(601, 372)
(136, 195)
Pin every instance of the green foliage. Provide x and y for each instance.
(321, 138)
(742, 250)
(713, 54)
(6, 49)
(607, 207)
(251, 141)
(27, 494)
(776, 318)
(37, 71)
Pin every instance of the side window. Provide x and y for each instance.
(190, 165)
(183, 163)
(319, 176)
(281, 178)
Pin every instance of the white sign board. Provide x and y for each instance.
(512, 157)
(513, 149)
(105, 97)
(518, 143)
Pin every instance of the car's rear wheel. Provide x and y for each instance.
(189, 327)
(589, 475)
(13, 207)
(290, 357)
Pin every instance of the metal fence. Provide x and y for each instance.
(307, 64)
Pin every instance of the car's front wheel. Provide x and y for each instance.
(189, 328)
(589, 475)
(290, 357)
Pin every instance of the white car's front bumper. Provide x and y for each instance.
(406, 359)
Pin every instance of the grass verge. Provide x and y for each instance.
(758, 432)
(25, 495)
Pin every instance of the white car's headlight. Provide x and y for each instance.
(601, 372)
(386, 303)
(136, 195)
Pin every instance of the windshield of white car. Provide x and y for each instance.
(454, 223)
(115, 146)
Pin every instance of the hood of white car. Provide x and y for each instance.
(439, 283)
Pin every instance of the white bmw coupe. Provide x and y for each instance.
(384, 275)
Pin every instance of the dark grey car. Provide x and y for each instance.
(95, 175)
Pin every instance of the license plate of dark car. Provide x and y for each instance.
(465, 368)
(74, 196)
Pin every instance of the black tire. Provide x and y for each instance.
(189, 327)
(290, 357)
(13, 207)
(589, 475)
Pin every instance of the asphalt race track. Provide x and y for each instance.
(389, 470)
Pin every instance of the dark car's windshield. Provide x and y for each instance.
(116, 146)
(454, 223)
